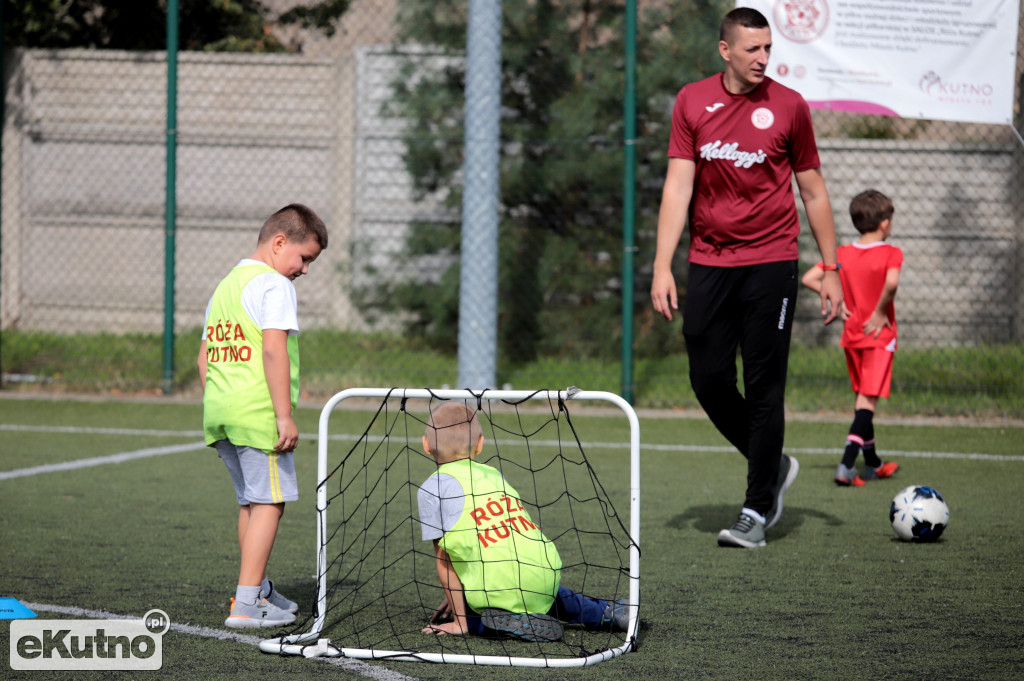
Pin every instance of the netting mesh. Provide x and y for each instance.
(379, 576)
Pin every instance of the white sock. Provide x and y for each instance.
(265, 588)
(247, 594)
(755, 515)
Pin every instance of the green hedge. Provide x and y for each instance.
(977, 382)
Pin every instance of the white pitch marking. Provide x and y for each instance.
(82, 430)
(101, 460)
(159, 451)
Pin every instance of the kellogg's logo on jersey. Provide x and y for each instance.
(731, 152)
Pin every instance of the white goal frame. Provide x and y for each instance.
(310, 644)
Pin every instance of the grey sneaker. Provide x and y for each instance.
(528, 627)
(847, 477)
(616, 616)
(276, 598)
(257, 615)
(788, 469)
(747, 533)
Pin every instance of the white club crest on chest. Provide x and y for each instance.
(762, 118)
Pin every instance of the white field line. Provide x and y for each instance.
(195, 446)
(100, 460)
(80, 430)
(357, 666)
(834, 451)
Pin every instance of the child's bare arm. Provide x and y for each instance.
(878, 319)
(277, 368)
(201, 363)
(454, 593)
(812, 278)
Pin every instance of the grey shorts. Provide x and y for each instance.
(259, 478)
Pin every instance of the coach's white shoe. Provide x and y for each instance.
(257, 615)
(276, 598)
(746, 533)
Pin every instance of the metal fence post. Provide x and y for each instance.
(170, 208)
(478, 285)
(629, 203)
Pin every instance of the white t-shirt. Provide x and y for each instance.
(440, 500)
(270, 301)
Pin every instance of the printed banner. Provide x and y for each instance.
(950, 60)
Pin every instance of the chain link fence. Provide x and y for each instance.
(366, 128)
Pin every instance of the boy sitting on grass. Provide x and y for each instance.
(498, 570)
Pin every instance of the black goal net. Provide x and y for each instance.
(378, 584)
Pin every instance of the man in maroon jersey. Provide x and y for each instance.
(737, 140)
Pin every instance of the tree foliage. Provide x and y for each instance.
(561, 161)
(221, 25)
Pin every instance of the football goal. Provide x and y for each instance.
(377, 579)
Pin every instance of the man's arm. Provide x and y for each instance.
(277, 368)
(675, 204)
(454, 594)
(814, 194)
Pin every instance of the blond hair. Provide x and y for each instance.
(453, 431)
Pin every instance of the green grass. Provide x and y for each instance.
(983, 382)
(832, 596)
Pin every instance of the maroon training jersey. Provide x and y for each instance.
(746, 148)
(863, 277)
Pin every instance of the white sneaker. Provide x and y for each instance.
(746, 533)
(276, 598)
(788, 468)
(256, 615)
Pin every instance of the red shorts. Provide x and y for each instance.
(870, 370)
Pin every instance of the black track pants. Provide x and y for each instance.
(749, 307)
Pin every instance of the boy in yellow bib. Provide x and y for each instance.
(249, 368)
(498, 570)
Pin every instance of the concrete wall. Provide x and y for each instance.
(84, 180)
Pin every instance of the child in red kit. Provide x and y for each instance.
(869, 270)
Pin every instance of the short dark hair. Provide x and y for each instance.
(297, 222)
(869, 209)
(746, 17)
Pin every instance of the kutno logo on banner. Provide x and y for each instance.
(802, 21)
(89, 644)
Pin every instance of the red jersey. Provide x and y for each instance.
(863, 277)
(746, 147)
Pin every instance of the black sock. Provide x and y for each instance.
(851, 451)
(861, 431)
(870, 455)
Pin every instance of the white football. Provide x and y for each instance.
(919, 513)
